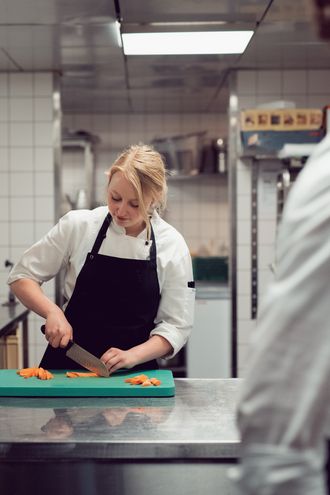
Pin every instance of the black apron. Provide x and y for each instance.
(114, 304)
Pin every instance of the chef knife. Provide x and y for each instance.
(84, 358)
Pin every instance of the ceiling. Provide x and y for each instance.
(79, 40)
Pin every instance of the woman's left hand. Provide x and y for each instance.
(115, 359)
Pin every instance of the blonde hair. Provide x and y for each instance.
(144, 168)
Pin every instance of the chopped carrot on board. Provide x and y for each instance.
(143, 380)
(37, 372)
(155, 381)
(81, 374)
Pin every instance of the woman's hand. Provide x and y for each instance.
(58, 330)
(115, 359)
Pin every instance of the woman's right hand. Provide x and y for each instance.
(58, 330)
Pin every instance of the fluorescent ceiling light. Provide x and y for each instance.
(186, 43)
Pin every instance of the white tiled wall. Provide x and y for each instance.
(26, 175)
(307, 89)
(197, 208)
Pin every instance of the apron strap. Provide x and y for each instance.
(103, 232)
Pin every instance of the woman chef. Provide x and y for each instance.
(128, 274)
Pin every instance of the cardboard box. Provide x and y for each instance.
(287, 119)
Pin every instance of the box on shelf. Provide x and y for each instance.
(9, 351)
(266, 131)
(284, 119)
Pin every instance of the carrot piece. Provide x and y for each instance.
(49, 375)
(155, 381)
(138, 379)
(77, 374)
(42, 374)
(71, 374)
(146, 383)
(37, 372)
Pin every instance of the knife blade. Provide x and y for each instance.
(79, 355)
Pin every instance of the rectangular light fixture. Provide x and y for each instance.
(186, 42)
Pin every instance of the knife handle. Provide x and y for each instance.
(70, 343)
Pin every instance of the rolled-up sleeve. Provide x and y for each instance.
(175, 315)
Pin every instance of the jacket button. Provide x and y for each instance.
(91, 257)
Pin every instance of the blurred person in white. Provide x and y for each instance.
(284, 408)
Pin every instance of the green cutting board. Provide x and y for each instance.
(13, 385)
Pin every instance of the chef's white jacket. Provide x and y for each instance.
(284, 410)
(68, 242)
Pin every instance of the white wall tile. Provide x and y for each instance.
(243, 257)
(43, 134)
(20, 84)
(4, 233)
(246, 82)
(243, 282)
(21, 184)
(43, 109)
(4, 209)
(44, 159)
(20, 134)
(4, 159)
(269, 82)
(300, 100)
(317, 100)
(4, 85)
(43, 84)
(21, 209)
(22, 233)
(41, 228)
(44, 184)
(44, 208)
(243, 232)
(318, 81)
(294, 82)
(21, 110)
(243, 207)
(21, 159)
(266, 232)
(245, 329)
(4, 135)
(4, 110)
(4, 184)
(244, 307)
(247, 101)
(243, 181)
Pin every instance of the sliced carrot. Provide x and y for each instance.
(78, 374)
(155, 381)
(143, 380)
(49, 375)
(37, 372)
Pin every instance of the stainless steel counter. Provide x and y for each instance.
(182, 444)
(197, 423)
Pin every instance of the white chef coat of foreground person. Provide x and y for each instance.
(128, 274)
(284, 409)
